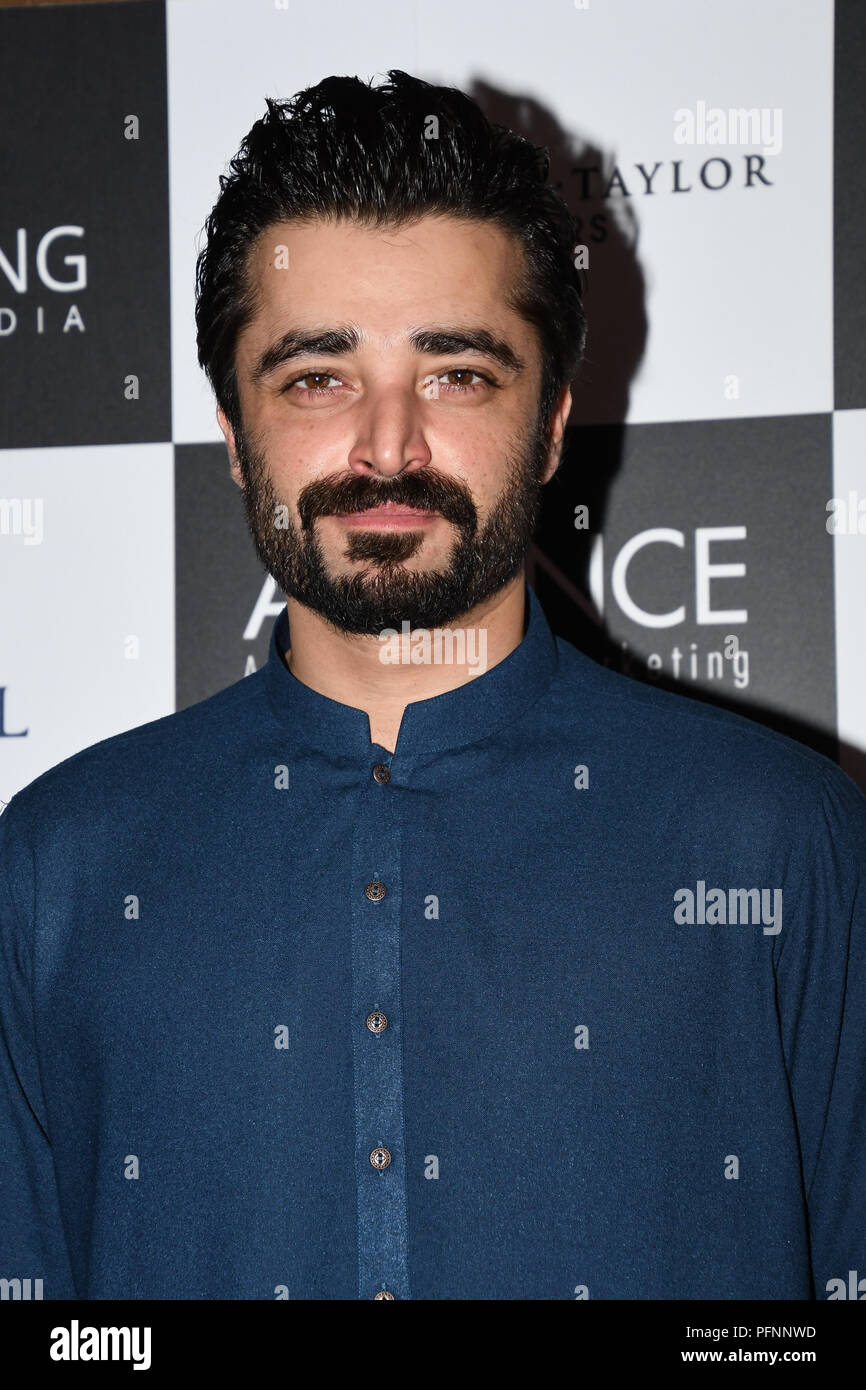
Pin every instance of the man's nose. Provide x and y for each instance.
(390, 437)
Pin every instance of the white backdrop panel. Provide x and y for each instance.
(103, 573)
(739, 281)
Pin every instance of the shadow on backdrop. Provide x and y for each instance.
(558, 562)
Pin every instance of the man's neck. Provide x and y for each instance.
(350, 668)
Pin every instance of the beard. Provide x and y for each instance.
(386, 592)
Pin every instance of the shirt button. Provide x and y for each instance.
(375, 891)
(383, 1293)
(382, 773)
(380, 1158)
(377, 1021)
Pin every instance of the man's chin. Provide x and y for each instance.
(385, 578)
(370, 603)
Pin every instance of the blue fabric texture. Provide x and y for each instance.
(577, 1092)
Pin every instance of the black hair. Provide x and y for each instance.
(385, 156)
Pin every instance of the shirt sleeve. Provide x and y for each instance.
(32, 1241)
(821, 994)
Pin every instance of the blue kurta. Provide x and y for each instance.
(565, 998)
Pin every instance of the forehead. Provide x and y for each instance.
(385, 280)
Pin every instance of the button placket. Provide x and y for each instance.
(377, 1039)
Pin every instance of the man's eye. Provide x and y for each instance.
(459, 377)
(312, 383)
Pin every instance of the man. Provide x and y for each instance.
(378, 975)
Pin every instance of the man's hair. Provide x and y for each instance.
(345, 149)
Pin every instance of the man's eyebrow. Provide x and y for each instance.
(334, 342)
(451, 341)
(331, 342)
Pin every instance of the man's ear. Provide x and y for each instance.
(229, 435)
(558, 422)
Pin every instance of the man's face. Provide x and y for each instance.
(392, 453)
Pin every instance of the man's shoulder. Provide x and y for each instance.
(688, 740)
(149, 759)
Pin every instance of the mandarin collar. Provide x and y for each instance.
(457, 717)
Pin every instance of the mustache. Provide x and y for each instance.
(426, 490)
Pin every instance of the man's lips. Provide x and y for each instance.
(389, 516)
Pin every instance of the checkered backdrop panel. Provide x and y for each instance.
(707, 530)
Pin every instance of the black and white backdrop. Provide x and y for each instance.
(708, 527)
